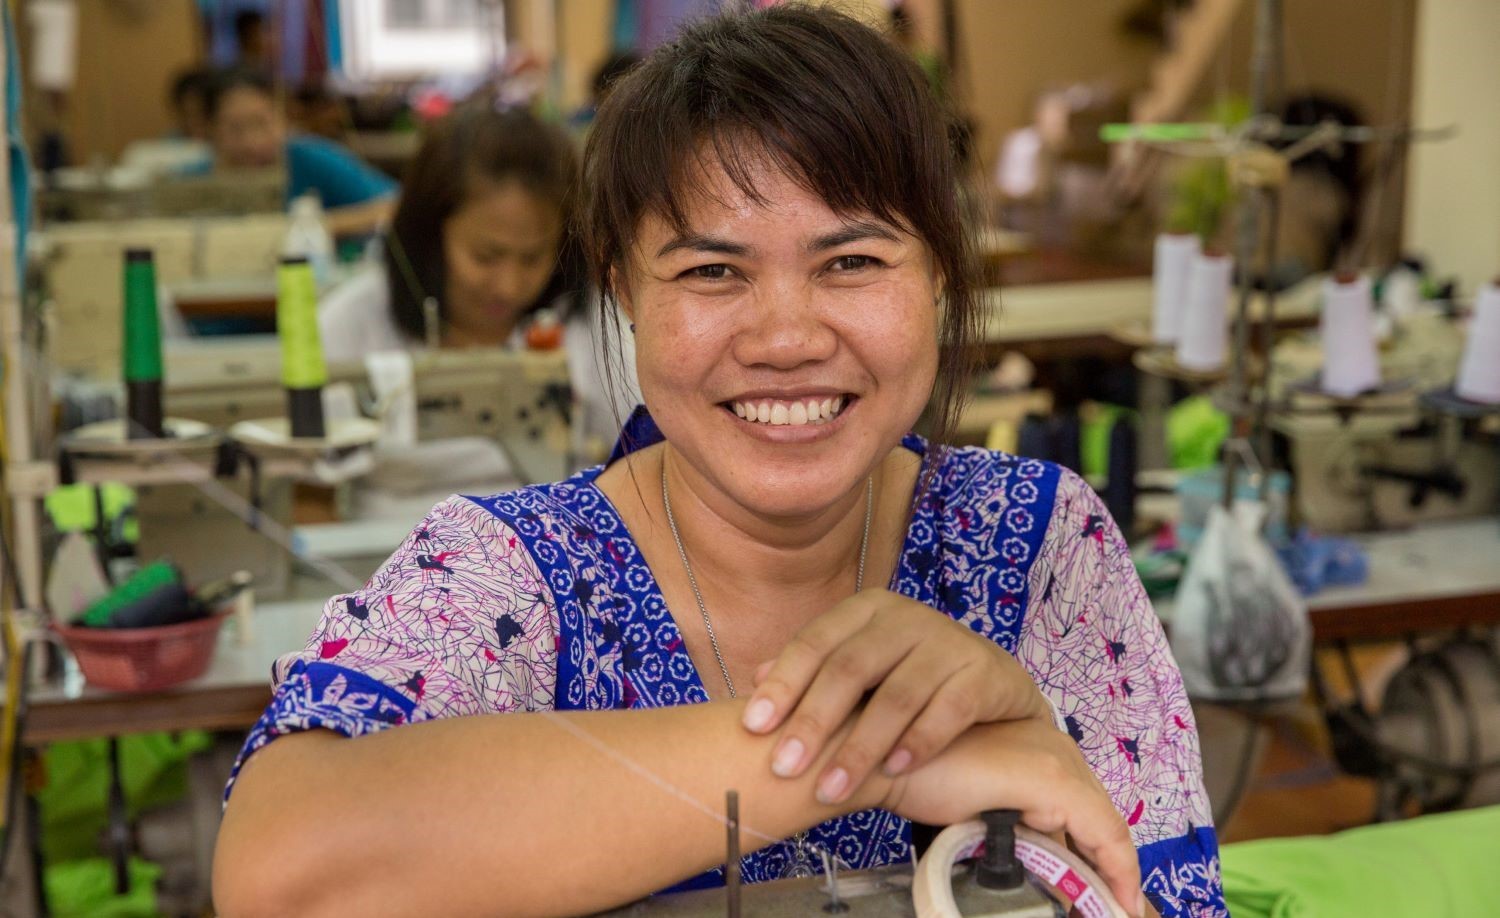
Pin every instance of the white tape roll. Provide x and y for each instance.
(932, 889)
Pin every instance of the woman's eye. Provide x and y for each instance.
(707, 272)
(853, 262)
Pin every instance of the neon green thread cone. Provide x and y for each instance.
(142, 347)
(303, 371)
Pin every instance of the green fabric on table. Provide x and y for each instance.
(86, 889)
(1441, 866)
(1195, 431)
(74, 802)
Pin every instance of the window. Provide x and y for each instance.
(430, 14)
(405, 38)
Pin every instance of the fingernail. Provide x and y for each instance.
(758, 715)
(788, 757)
(897, 762)
(831, 788)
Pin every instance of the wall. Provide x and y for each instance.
(1014, 49)
(1453, 210)
(1361, 51)
(128, 53)
(585, 35)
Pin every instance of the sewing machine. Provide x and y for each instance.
(125, 193)
(1393, 458)
(224, 380)
(521, 399)
(1018, 873)
(80, 268)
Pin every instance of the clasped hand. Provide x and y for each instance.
(951, 717)
(928, 679)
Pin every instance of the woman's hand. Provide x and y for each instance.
(1032, 767)
(932, 679)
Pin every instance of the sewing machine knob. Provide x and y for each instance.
(999, 869)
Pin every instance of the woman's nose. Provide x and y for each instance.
(784, 329)
(508, 284)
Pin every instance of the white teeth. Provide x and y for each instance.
(789, 414)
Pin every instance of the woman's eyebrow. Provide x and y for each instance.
(702, 242)
(853, 232)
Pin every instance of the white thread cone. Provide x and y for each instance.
(1203, 340)
(1170, 273)
(1479, 371)
(1350, 365)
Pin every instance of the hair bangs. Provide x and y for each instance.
(816, 96)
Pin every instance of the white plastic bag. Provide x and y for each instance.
(1240, 630)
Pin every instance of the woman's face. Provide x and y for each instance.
(499, 248)
(247, 130)
(764, 316)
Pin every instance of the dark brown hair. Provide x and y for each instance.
(476, 146)
(223, 82)
(827, 100)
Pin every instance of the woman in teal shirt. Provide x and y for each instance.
(247, 131)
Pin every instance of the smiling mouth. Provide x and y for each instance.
(801, 412)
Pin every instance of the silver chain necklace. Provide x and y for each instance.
(802, 863)
(708, 625)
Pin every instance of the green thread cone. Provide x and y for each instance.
(303, 371)
(302, 364)
(142, 332)
(142, 348)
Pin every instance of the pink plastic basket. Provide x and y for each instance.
(143, 659)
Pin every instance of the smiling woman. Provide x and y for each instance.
(772, 586)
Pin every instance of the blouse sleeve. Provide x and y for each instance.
(1097, 651)
(458, 621)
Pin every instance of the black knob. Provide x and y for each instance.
(999, 869)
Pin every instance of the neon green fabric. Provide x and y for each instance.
(73, 803)
(72, 506)
(1440, 866)
(86, 889)
(1195, 431)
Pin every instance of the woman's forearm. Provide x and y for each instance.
(517, 814)
(360, 219)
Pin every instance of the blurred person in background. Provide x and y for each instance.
(483, 231)
(248, 131)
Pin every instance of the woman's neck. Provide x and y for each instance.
(791, 568)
